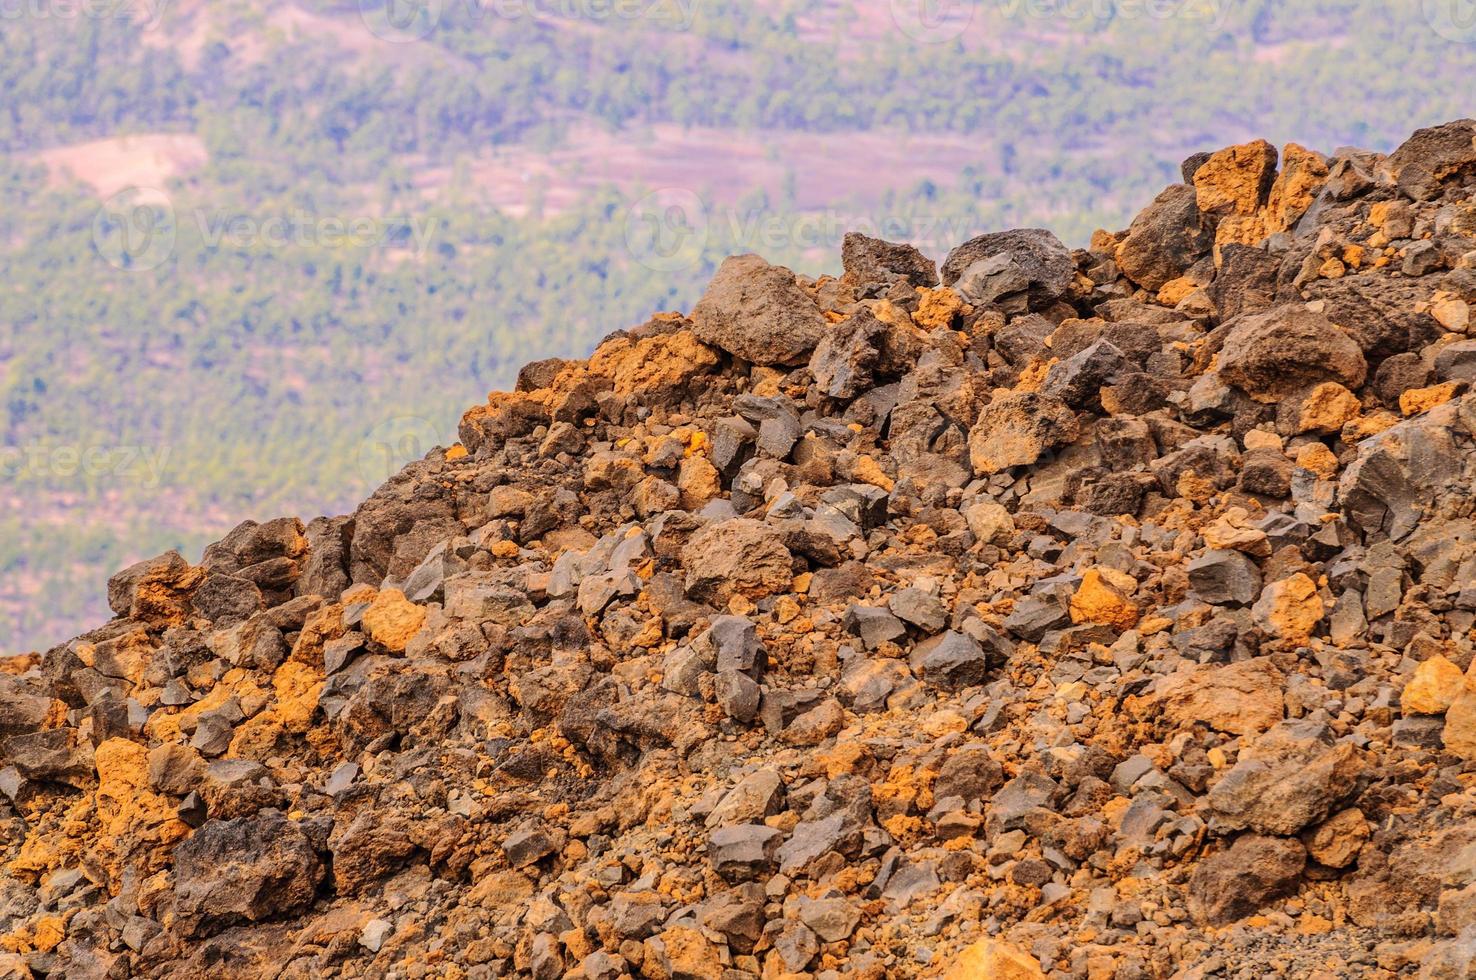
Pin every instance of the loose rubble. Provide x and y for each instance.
(1102, 614)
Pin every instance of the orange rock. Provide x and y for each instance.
(1302, 175)
(1417, 400)
(1237, 179)
(1317, 458)
(992, 959)
(937, 307)
(1327, 408)
(1103, 599)
(1174, 291)
(867, 470)
(1451, 312)
(138, 827)
(689, 954)
(698, 481)
(1459, 735)
(1239, 229)
(391, 620)
(1433, 688)
(1289, 609)
(658, 363)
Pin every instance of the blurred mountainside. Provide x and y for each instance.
(256, 256)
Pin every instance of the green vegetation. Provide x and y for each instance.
(265, 376)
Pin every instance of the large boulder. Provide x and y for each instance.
(1238, 881)
(1017, 429)
(1030, 262)
(250, 869)
(758, 312)
(1236, 180)
(1432, 156)
(1273, 355)
(871, 261)
(1399, 473)
(1165, 239)
(736, 557)
(1290, 778)
(1240, 699)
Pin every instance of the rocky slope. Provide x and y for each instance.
(1101, 614)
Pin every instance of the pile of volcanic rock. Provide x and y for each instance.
(1101, 614)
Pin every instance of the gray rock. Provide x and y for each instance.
(1225, 578)
(738, 695)
(758, 312)
(951, 660)
(873, 625)
(683, 668)
(1277, 354)
(911, 882)
(777, 436)
(832, 919)
(528, 846)
(1079, 379)
(1432, 156)
(1456, 361)
(867, 682)
(599, 590)
(735, 645)
(845, 361)
(1240, 880)
(1034, 616)
(756, 796)
(57, 755)
(743, 852)
(921, 609)
(732, 444)
(1031, 262)
(872, 261)
(1290, 778)
(24, 707)
(247, 869)
(1398, 473)
(601, 965)
(1165, 239)
(374, 933)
